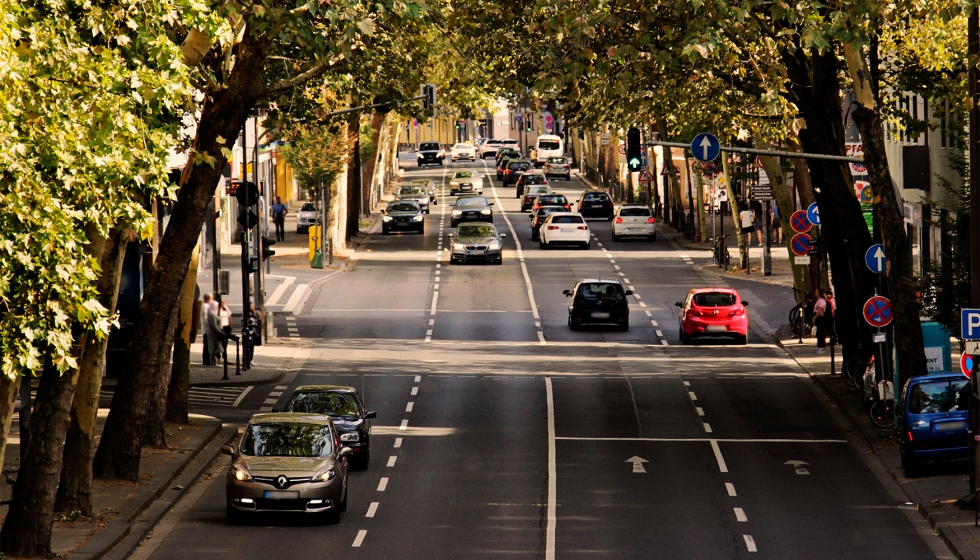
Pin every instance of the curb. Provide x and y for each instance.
(148, 504)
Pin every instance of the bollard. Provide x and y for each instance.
(238, 357)
(833, 368)
(224, 360)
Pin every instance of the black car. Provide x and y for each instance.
(595, 204)
(514, 170)
(346, 408)
(538, 216)
(476, 242)
(503, 162)
(598, 302)
(430, 152)
(402, 215)
(472, 209)
(528, 179)
(505, 153)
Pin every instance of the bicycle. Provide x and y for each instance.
(805, 309)
(721, 256)
(882, 411)
(853, 371)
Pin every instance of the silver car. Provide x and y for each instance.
(287, 462)
(306, 217)
(414, 193)
(429, 187)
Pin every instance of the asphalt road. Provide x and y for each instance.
(502, 434)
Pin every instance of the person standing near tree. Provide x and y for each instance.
(821, 311)
(776, 223)
(279, 211)
(216, 335)
(203, 327)
(745, 222)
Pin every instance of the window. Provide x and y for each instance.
(287, 439)
(597, 290)
(553, 199)
(534, 179)
(522, 165)
(933, 397)
(597, 197)
(634, 212)
(558, 160)
(714, 299)
(308, 207)
(538, 190)
(403, 207)
(463, 175)
(567, 220)
(549, 145)
(343, 405)
(476, 231)
(428, 146)
(461, 146)
(473, 202)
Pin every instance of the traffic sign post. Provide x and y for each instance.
(967, 363)
(970, 324)
(877, 262)
(705, 147)
(799, 222)
(813, 214)
(878, 311)
(800, 244)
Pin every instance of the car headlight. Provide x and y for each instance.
(457, 212)
(241, 473)
(351, 436)
(414, 219)
(495, 245)
(324, 475)
(485, 212)
(458, 248)
(386, 219)
(453, 184)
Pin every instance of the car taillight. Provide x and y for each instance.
(740, 311)
(619, 220)
(507, 172)
(567, 207)
(650, 220)
(552, 227)
(910, 435)
(583, 227)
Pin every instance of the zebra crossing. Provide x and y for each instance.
(228, 397)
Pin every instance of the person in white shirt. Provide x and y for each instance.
(747, 226)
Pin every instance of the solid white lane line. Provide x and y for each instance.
(699, 410)
(383, 484)
(398, 442)
(541, 338)
(527, 277)
(696, 439)
(549, 547)
(718, 457)
(404, 425)
(359, 538)
(435, 298)
(418, 378)
(740, 515)
(750, 543)
(731, 489)
(707, 427)
(692, 395)
(372, 509)
(409, 406)
(391, 460)
(415, 391)
(242, 395)
(280, 290)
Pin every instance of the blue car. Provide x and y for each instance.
(934, 420)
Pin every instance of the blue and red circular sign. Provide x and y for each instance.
(800, 244)
(800, 222)
(966, 364)
(878, 311)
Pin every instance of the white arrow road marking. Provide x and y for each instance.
(798, 465)
(637, 464)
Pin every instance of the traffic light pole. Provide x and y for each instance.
(259, 269)
(973, 30)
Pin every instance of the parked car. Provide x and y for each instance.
(558, 167)
(414, 193)
(430, 152)
(429, 186)
(634, 220)
(466, 182)
(598, 302)
(476, 242)
(713, 312)
(287, 462)
(306, 217)
(471, 209)
(514, 170)
(551, 199)
(531, 193)
(564, 228)
(933, 413)
(344, 406)
(402, 215)
(462, 151)
(529, 178)
(596, 204)
(538, 217)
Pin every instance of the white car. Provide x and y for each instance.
(466, 182)
(558, 167)
(414, 193)
(463, 151)
(548, 146)
(634, 220)
(306, 217)
(561, 228)
(489, 148)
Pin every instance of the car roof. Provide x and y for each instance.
(276, 417)
(325, 389)
(564, 214)
(943, 376)
(599, 281)
(714, 290)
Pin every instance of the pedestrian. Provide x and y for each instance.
(745, 221)
(216, 335)
(777, 223)
(820, 316)
(279, 211)
(225, 315)
(255, 320)
(831, 316)
(757, 219)
(203, 327)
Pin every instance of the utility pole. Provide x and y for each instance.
(974, 77)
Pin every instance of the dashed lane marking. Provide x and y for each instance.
(750, 543)
(398, 442)
(382, 484)
(391, 460)
(372, 509)
(359, 538)
(731, 489)
(409, 406)
(740, 515)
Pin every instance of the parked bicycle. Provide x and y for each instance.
(721, 256)
(855, 369)
(883, 409)
(803, 308)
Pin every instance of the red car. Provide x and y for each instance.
(713, 312)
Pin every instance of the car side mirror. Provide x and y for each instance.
(678, 304)
(503, 236)
(346, 451)
(744, 302)
(449, 235)
(384, 211)
(228, 450)
(568, 293)
(489, 204)
(371, 414)
(629, 292)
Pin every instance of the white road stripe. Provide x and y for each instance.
(382, 484)
(372, 509)
(750, 543)
(409, 406)
(398, 442)
(269, 401)
(359, 538)
(692, 395)
(404, 425)
(275, 394)
(707, 427)
(299, 294)
(415, 391)
(718, 457)
(541, 338)
(731, 489)
(280, 290)
(699, 410)
(740, 515)
(391, 460)
(660, 333)
(265, 409)
(242, 395)
(527, 277)
(418, 378)
(647, 311)
(435, 298)
(549, 547)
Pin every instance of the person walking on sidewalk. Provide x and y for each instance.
(776, 223)
(279, 211)
(205, 331)
(216, 335)
(821, 314)
(745, 222)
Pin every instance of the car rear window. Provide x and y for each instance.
(535, 179)
(509, 142)
(714, 299)
(520, 165)
(544, 189)
(403, 207)
(596, 290)
(429, 146)
(596, 197)
(548, 145)
(336, 404)
(545, 210)
(558, 160)
(567, 220)
(411, 191)
(933, 397)
(634, 212)
(551, 199)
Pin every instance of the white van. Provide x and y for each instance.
(548, 145)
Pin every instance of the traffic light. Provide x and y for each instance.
(529, 122)
(428, 97)
(253, 265)
(266, 243)
(634, 149)
(457, 125)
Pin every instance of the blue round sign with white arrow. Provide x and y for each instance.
(813, 213)
(705, 147)
(875, 258)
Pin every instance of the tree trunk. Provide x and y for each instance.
(784, 201)
(180, 374)
(8, 398)
(354, 179)
(743, 250)
(75, 488)
(155, 422)
(367, 178)
(702, 229)
(222, 115)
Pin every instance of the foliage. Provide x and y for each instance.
(317, 154)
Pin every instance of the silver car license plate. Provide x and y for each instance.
(600, 315)
(478, 253)
(281, 495)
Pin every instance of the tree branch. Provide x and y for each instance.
(298, 79)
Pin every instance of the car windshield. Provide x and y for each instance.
(634, 212)
(567, 220)
(463, 175)
(520, 165)
(429, 146)
(596, 196)
(933, 397)
(511, 142)
(331, 403)
(473, 201)
(551, 199)
(420, 182)
(287, 439)
(558, 160)
(411, 191)
(403, 207)
(714, 299)
(476, 231)
(461, 146)
(308, 207)
(596, 290)
(548, 145)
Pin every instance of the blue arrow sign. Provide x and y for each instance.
(970, 324)
(705, 147)
(875, 258)
(813, 213)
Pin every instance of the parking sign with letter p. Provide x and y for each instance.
(970, 324)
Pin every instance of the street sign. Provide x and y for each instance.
(605, 138)
(800, 244)
(966, 364)
(803, 260)
(878, 311)
(970, 324)
(705, 147)
(646, 177)
(813, 214)
(622, 149)
(973, 347)
(876, 261)
(799, 222)
(879, 337)
(760, 192)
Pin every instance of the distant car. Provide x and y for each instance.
(634, 220)
(558, 167)
(598, 302)
(414, 193)
(514, 170)
(429, 186)
(480, 142)
(306, 217)
(471, 209)
(345, 407)
(287, 462)
(551, 199)
(547, 146)
(430, 152)
(564, 228)
(466, 182)
(596, 204)
(489, 148)
(529, 178)
(476, 242)
(934, 414)
(505, 153)
(531, 192)
(538, 217)
(713, 312)
(463, 151)
(402, 215)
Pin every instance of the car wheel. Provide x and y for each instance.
(384, 231)
(911, 467)
(233, 516)
(653, 237)
(742, 339)
(609, 218)
(625, 326)
(499, 261)
(422, 230)
(617, 237)
(683, 337)
(453, 224)
(571, 324)
(541, 243)
(587, 245)
(453, 261)
(534, 236)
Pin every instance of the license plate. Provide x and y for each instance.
(478, 253)
(281, 495)
(716, 328)
(600, 315)
(566, 230)
(950, 426)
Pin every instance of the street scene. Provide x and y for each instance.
(669, 280)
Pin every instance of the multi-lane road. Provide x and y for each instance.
(502, 434)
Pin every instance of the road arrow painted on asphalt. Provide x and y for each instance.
(798, 465)
(637, 464)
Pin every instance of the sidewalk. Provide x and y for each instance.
(933, 494)
(782, 270)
